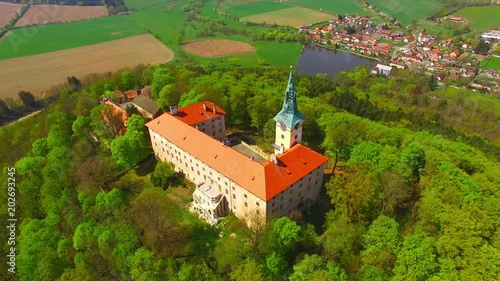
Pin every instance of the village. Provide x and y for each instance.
(452, 63)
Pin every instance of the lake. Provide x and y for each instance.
(316, 60)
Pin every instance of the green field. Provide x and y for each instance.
(333, 7)
(253, 8)
(434, 29)
(407, 10)
(486, 17)
(485, 102)
(144, 4)
(56, 37)
(167, 24)
(267, 54)
(493, 63)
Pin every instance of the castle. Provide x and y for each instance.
(234, 177)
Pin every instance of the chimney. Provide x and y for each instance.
(213, 108)
(173, 109)
(282, 149)
(204, 106)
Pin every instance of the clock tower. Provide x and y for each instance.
(288, 121)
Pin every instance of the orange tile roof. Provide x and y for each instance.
(195, 113)
(264, 180)
(294, 164)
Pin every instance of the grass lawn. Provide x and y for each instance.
(407, 10)
(334, 7)
(253, 8)
(434, 29)
(55, 37)
(481, 18)
(493, 63)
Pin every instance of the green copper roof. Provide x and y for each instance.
(289, 113)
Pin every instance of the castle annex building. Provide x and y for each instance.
(232, 178)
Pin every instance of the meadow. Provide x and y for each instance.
(493, 63)
(253, 8)
(54, 37)
(484, 102)
(407, 10)
(481, 18)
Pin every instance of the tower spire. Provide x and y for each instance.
(289, 113)
(288, 120)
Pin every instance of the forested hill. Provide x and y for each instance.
(114, 3)
(415, 197)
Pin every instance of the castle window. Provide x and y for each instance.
(282, 136)
(227, 192)
(281, 207)
(246, 196)
(192, 169)
(198, 173)
(246, 204)
(274, 204)
(290, 200)
(257, 212)
(257, 203)
(234, 196)
(296, 136)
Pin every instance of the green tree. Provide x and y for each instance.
(133, 147)
(276, 265)
(341, 134)
(417, 258)
(247, 271)
(144, 266)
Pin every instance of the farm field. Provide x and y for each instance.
(144, 4)
(296, 16)
(40, 72)
(253, 8)
(266, 54)
(43, 14)
(217, 48)
(7, 12)
(494, 63)
(55, 37)
(164, 23)
(332, 6)
(481, 18)
(406, 10)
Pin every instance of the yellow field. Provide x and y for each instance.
(39, 72)
(295, 16)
